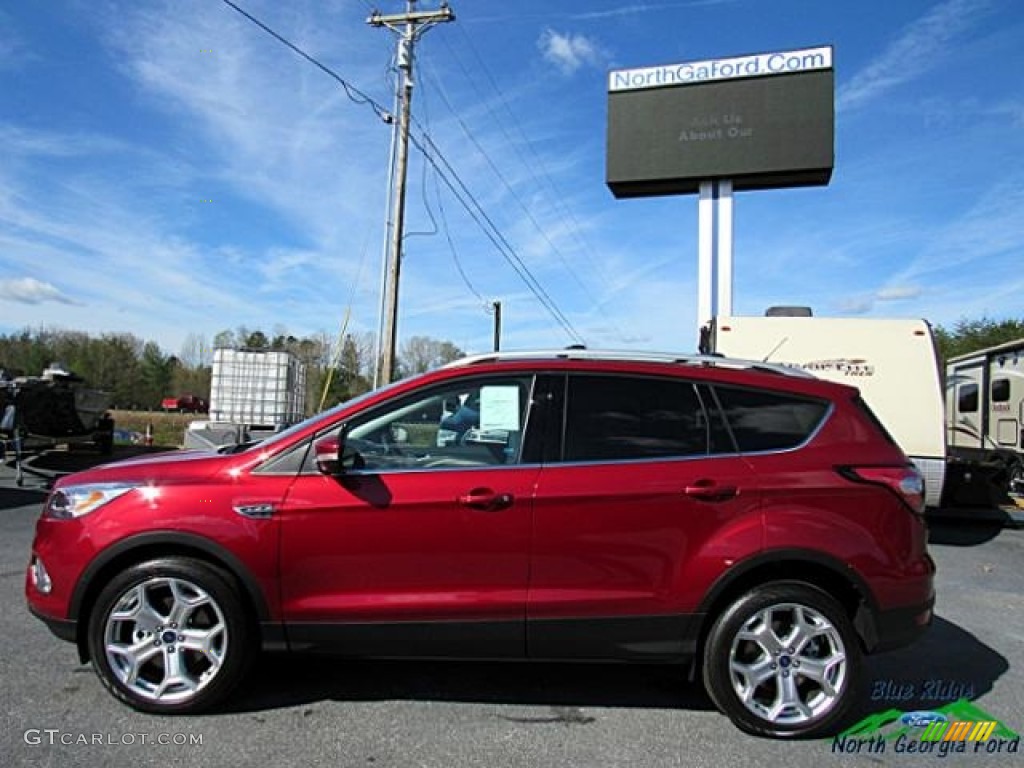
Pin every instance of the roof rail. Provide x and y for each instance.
(712, 361)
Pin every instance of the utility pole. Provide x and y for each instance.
(409, 27)
(497, 326)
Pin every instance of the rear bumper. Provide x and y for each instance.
(65, 629)
(899, 627)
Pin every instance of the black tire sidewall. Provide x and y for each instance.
(718, 645)
(212, 581)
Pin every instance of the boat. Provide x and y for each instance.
(56, 407)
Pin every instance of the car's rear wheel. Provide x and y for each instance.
(169, 636)
(784, 660)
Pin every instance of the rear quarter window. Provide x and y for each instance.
(769, 421)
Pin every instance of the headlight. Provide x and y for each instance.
(77, 500)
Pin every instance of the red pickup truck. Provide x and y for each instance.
(185, 404)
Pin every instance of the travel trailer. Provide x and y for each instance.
(985, 407)
(893, 362)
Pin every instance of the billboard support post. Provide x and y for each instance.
(723, 251)
(714, 250)
(705, 253)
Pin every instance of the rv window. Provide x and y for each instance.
(1001, 391)
(967, 400)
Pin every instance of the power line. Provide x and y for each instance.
(479, 215)
(423, 188)
(451, 243)
(427, 167)
(514, 194)
(557, 197)
(354, 94)
(436, 159)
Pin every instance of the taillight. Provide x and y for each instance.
(906, 482)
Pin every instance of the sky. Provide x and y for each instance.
(171, 169)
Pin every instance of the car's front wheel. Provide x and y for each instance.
(169, 636)
(784, 660)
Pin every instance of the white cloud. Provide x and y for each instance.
(898, 293)
(251, 125)
(990, 230)
(297, 173)
(278, 131)
(643, 8)
(38, 143)
(949, 115)
(28, 290)
(13, 52)
(917, 50)
(864, 303)
(855, 305)
(634, 9)
(569, 52)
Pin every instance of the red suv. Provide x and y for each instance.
(753, 521)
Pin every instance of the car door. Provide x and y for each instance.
(644, 504)
(420, 545)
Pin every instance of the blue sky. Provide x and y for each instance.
(167, 168)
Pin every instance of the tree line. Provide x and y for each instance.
(138, 374)
(971, 335)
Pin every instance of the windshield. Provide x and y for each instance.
(271, 442)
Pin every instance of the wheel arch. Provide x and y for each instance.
(137, 549)
(828, 574)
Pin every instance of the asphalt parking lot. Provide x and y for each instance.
(344, 713)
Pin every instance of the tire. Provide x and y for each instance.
(170, 636)
(1015, 484)
(759, 657)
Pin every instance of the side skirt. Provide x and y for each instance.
(650, 639)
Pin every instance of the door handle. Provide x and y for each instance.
(709, 490)
(486, 500)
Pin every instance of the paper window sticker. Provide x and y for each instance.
(499, 407)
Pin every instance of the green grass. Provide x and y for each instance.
(168, 428)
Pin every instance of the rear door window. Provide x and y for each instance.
(769, 421)
(622, 418)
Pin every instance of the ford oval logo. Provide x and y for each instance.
(922, 719)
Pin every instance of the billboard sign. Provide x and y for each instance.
(764, 120)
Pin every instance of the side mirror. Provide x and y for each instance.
(327, 454)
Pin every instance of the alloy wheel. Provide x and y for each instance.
(788, 664)
(165, 639)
